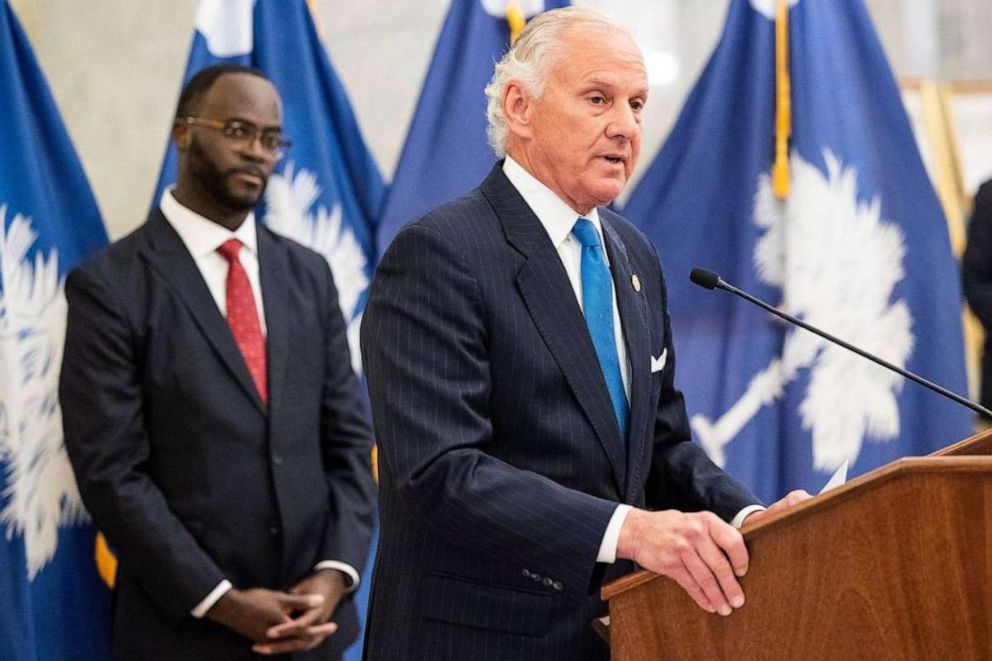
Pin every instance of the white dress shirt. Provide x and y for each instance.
(558, 220)
(202, 237)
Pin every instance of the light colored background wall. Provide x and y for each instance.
(115, 67)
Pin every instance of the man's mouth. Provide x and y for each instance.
(615, 160)
(249, 176)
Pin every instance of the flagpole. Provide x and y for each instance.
(516, 20)
(783, 103)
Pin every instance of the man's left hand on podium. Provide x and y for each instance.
(791, 499)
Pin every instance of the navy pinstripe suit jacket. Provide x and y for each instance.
(501, 462)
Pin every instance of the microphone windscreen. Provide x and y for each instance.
(704, 278)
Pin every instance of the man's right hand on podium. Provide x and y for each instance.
(699, 551)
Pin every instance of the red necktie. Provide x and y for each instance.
(242, 317)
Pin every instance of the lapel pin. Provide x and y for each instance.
(634, 280)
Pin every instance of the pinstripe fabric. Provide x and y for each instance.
(501, 462)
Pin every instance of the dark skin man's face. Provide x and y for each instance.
(220, 178)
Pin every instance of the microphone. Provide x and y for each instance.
(711, 280)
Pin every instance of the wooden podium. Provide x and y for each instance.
(896, 564)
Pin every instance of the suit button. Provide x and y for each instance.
(277, 460)
(274, 530)
(536, 577)
(526, 573)
(558, 586)
(547, 582)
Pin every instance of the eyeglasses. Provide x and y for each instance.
(244, 133)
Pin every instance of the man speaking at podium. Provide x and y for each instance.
(521, 369)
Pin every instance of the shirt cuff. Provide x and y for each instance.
(611, 538)
(201, 608)
(345, 569)
(738, 520)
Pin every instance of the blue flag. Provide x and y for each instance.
(859, 247)
(327, 191)
(446, 152)
(53, 604)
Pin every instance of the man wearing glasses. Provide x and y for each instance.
(211, 413)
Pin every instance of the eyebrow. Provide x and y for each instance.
(602, 82)
(243, 120)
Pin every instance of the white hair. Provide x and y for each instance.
(529, 60)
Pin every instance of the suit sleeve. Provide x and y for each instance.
(977, 260)
(105, 437)
(682, 476)
(346, 444)
(424, 345)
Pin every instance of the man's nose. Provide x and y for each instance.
(255, 149)
(624, 123)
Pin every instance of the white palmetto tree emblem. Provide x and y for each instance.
(837, 263)
(289, 200)
(40, 493)
(767, 7)
(499, 8)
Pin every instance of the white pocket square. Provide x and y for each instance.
(658, 364)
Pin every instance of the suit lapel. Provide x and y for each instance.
(549, 298)
(170, 259)
(632, 307)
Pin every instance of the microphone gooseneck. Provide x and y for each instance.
(711, 280)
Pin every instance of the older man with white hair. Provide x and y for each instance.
(521, 368)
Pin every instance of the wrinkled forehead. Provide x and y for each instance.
(243, 96)
(600, 47)
(603, 32)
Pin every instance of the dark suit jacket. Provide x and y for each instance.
(182, 467)
(501, 463)
(977, 271)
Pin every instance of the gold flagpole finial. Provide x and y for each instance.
(312, 6)
(516, 19)
(106, 561)
(783, 102)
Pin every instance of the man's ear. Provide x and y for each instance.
(518, 107)
(182, 136)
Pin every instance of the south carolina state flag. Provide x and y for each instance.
(53, 605)
(446, 153)
(859, 247)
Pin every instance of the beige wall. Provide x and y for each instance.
(115, 67)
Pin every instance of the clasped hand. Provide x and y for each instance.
(280, 622)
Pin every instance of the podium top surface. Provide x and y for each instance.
(965, 457)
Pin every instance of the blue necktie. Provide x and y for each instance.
(597, 304)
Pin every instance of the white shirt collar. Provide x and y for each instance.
(555, 215)
(202, 236)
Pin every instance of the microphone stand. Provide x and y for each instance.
(711, 280)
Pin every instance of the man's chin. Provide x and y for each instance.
(607, 192)
(243, 201)
(240, 205)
